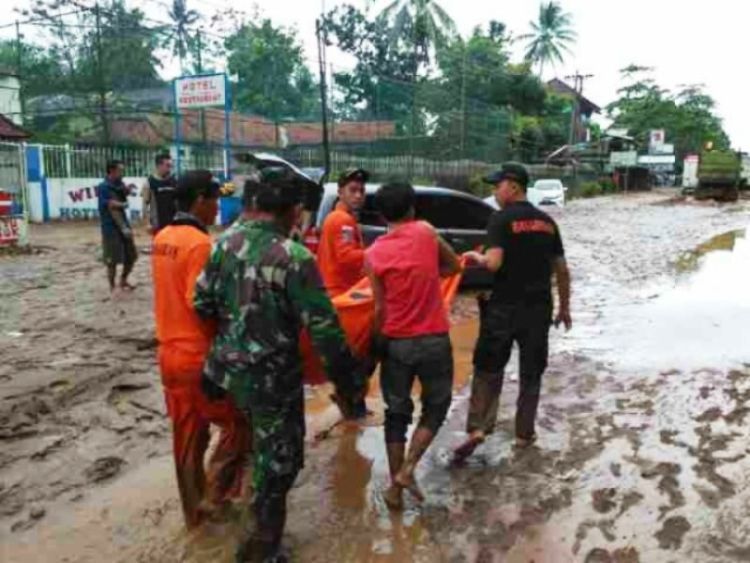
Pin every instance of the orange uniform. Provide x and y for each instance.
(341, 254)
(179, 253)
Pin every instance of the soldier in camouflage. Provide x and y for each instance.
(262, 288)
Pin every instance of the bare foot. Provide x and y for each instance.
(407, 481)
(463, 451)
(523, 443)
(214, 511)
(394, 497)
(125, 286)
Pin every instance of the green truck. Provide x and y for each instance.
(720, 175)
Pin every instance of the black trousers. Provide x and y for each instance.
(502, 324)
(430, 358)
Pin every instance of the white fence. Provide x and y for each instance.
(62, 179)
(66, 161)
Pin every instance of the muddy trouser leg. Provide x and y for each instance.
(533, 342)
(130, 257)
(435, 372)
(491, 355)
(226, 467)
(397, 372)
(190, 433)
(278, 447)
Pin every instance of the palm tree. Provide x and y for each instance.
(427, 26)
(180, 38)
(551, 36)
(430, 26)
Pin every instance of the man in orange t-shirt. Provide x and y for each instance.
(180, 252)
(341, 254)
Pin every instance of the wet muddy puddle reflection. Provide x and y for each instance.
(696, 316)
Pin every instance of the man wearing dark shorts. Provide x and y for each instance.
(117, 235)
(524, 249)
(411, 325)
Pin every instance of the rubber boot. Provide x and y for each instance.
(393, 496)
(420, 441)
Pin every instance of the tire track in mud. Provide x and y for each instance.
(80, 400)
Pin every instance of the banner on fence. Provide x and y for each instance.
(78, 198)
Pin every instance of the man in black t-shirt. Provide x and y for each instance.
(524, 249)
(159, 195)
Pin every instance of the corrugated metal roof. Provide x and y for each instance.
(11, 131)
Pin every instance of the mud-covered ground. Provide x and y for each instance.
(643, 424)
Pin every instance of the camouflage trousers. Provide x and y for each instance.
(279, 437)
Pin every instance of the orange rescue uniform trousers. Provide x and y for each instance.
(192, 413)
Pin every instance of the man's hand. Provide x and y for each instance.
(563, 317)
(127, 233)
(474, 256)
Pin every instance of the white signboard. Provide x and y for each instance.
(657, 137)
(624, 158)
(200, 91)
(648, 159)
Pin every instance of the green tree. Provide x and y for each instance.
(114, 51)
(39, 71)
(128, 51)
(688, 117)
(181, 37)
(426, 27)
(479, 93)
(94, 51)
(551, 36)
(271, 76)
(379, 86)
(422, 23)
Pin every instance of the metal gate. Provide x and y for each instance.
(13, 195)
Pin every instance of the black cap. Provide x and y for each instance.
(278, 189)
(195, 183)
(509, 171)
(352, 174)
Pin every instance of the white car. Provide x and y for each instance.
(543, 192)
(547, 192)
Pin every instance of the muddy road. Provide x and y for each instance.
(644, 420)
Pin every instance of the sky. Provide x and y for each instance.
(701, 43)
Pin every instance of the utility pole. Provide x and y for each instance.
(19, 71)
(578, 80)
(199, 68)
(463, 102)
(323, 101)
(100, 77)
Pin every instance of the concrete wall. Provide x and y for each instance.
(10, 98)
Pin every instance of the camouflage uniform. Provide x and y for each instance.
(262, 288)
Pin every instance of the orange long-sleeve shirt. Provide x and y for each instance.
(341, 254)
(179, 254)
